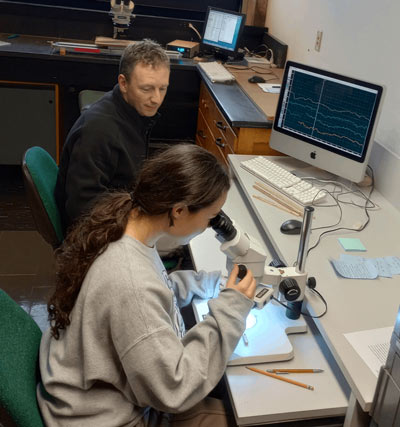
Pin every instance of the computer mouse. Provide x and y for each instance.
(291, 226)
(256, 79)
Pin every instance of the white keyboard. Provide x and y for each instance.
(216, 72)
(285, 182)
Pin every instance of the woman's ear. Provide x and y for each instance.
(179, 211)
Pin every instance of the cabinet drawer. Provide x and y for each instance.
(203, 136)
(219, 126)
(206, 104)
(215, 119)
(206, 139)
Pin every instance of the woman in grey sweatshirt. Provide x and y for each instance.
(117, 352)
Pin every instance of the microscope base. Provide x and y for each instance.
(267, 340)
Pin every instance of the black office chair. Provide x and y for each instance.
(40, 176)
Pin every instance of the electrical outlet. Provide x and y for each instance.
(318, 41)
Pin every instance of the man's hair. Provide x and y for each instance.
(146, 52)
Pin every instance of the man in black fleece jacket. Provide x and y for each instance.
(106, 146)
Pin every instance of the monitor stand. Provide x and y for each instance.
(267, 340)
(219, 56)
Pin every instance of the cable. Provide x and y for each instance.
(195, 30)
(362, 227)
(252, 68)
(306, 314)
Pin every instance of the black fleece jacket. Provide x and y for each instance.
(104, 150)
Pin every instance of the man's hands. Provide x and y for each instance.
(247, 286)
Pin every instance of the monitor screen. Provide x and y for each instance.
(222, 30)
(326, 119)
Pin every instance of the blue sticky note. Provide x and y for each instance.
(351, 244)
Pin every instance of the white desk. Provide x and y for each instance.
(256, 398)
(353, 304)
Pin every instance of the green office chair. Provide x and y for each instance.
(88, 97)
(19, 371)
(40, 176)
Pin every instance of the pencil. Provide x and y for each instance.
(294, 371)
(278, 377)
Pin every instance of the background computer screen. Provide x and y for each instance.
(222, 30)
(326, 119)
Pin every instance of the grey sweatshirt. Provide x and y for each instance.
(126, 349)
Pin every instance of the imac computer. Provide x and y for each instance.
(326, 119)
(222, 31)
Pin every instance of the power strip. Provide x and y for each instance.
(254, 60)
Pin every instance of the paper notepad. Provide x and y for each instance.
(351, 244)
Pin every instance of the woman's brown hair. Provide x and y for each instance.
(184, 173)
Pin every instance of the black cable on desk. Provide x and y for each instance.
(367, 201)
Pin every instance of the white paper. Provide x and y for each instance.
(358, 267)
(355, 269)
(372, 346)
(270, 87)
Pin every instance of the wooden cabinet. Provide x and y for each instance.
(215, 134)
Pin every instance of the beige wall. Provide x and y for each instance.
(360, 39)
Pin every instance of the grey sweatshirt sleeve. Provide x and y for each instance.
(188, 283)
(173, 375)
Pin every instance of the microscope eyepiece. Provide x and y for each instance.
(223, 226)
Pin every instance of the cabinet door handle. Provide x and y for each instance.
(201, 134)
(220, 125)
(219, 143)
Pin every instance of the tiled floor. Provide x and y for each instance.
(27, 272)
(26, 260)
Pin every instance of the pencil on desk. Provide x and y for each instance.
(295, 371)
(278, 377)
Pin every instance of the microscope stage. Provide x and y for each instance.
(267, 340)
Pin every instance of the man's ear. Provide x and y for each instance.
(122, 83)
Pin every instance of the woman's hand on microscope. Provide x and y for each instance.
(247, 286)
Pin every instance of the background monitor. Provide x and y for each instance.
(222, 31)
(326, 119)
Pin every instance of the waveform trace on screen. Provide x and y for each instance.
(328, 111)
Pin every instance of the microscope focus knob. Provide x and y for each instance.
(242, 271)
(289, 289)
(312, 282)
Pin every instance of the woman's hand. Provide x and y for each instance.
(247, 286)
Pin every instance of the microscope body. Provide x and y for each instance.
(121, 12)
(284, 283)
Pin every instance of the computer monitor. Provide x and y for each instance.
(222, 31)
(326, 119)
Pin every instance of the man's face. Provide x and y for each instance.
(146, 88)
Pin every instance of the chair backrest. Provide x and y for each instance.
(88, 97)
(19, 372)
(40, 176)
